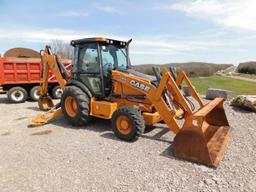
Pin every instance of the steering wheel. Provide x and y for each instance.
(109, 65)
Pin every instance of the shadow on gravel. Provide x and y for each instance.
(6, 133)
(5, 100)
(46, 132)
(168, 152)
(97, 125)
(110, 135)
(104, 127)
(158, 135)
(21, 118)
(240, 110)
(35, 109)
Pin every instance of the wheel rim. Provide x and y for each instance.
(17, 95)
(58, 92)
(71, 106)
(36, 94)
(123, 125)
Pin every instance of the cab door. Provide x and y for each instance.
(89, 68)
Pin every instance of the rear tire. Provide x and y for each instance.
(57, 92)
(75, 105)
(127, 123)
(34, 95)
(17, 95)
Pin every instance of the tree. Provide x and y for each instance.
(62, 49)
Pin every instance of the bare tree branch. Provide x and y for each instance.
(62, 49)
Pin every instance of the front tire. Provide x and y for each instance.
(127, 123)
(17, 95)
(75, 105)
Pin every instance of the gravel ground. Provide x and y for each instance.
(59, 157)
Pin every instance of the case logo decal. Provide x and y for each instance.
(141, 86)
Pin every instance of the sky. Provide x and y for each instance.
(218, 31)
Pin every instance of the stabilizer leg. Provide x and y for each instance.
(44, 118)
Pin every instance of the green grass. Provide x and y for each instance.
(238, 87)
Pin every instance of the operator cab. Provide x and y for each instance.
(95, 58)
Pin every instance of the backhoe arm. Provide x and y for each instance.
(50, 62)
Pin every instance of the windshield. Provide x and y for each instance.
(114, 57)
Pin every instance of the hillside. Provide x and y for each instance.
(247, 67)
(191, 68)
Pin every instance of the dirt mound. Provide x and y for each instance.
(22, 53)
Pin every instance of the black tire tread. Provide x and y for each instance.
(136, 119)
(83, 103)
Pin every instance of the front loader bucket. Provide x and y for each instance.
(204, 135)
(45, 103)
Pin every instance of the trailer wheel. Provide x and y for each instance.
(75, 105)
(57, 92)
(127, 123)
(17, 95)
(34, 94)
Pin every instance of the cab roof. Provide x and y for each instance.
(99, 39)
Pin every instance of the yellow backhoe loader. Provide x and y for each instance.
(103, 85)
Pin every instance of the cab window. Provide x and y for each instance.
(113, 57)
(88, 59)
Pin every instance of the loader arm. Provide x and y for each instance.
(154, 94)
(50, 62)
(205, 132)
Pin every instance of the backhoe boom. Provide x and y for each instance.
(50, 62)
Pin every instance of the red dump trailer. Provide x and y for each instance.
(20, 78)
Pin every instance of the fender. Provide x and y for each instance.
(79, 85)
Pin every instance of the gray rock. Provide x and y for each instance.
(212, 93)
(247, 102)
